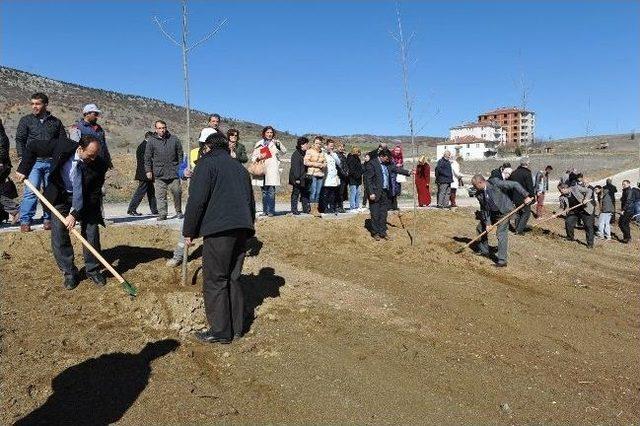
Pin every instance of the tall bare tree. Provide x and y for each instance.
(186, 49)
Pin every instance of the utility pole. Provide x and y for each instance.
(185, 48)
(408, 100)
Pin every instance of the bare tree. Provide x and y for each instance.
(186, 49)
(587, 123)
(403, 44)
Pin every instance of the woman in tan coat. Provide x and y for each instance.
(269, 150)
(316, 164)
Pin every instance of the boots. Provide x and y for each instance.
(314, 210)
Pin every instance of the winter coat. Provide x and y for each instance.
(630, 196)
(271, 165)
(373, 177)
(82, 128)
(422, 179)
(444, 173)
(315, 162)
(355, 169)
(220, 197)
(162, 156)
(31, 129)
(455, 170)
(331, 178)
(580, 194)
(606, 200)
(4, 147)
(541, 182)
(522, 175)
(241, 153)
(298, 171)
(500, 192)
(343, 167)
(140, 173)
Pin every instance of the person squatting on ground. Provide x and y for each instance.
(221, 209)
(162, 158)
(145, 185)
(579, 195)
(542, 187)
(75, 190)
(495, 202)
(444, 177)
(298, 178)
(356, 170)
(269, 150)
(377, 179)
(316, 164)
(522, 175)
(39, 125)
(629, 202)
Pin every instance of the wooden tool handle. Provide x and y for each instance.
(561, 213)
(74, 231)
(492, 227)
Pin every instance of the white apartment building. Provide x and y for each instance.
(491, 132)
(468, 147)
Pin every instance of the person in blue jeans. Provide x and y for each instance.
(316, 164)
(268, 150)
(40, 125)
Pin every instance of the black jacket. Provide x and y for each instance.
(31, 129)
(140, 174)
(629, 197)
(298, 170)
(356, 169)
(496, 174)
(220, 197)
(523, 176)
(4, 147)
(444, 172)
(92, 180)
(343, 168)
(373, 179)
(500, 192)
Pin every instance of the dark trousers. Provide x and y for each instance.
(300, 193)
(144, 188)
(328, 197)
(502, 232)
(379, 210)
(522, 217)
(342, 194)
(62, 248)
(571, 221)
(624, 224)
(222, 260)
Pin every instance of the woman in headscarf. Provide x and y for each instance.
(423, 178)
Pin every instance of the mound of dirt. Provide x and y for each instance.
(342, 329)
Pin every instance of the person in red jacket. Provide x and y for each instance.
(423, 178)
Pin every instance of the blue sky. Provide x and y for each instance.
(332, 67)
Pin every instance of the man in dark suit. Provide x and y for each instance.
(495, 203)
(377, 181)
(145, 185)
(523, 176)
(221, 209)
(75, 190)
(497, 173)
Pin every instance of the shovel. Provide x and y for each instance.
(126, 285)
(491, 228)
(560, 214)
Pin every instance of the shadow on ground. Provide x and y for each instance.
(129, 257)
(100, 390)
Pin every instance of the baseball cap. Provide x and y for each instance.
(204, 134)
(91, 108)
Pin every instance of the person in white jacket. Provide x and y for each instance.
(331, 179)
(269, 150)
(457, 180)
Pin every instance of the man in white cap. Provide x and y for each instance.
(88, 125)
(213, 127)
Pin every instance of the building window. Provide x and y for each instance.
(477, 145)
(467, 146)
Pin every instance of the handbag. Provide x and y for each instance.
(401, 178)
(256, 168)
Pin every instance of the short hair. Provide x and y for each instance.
(301, 141)
(319, 138)
(563, 186)
(41, 96)
(339, 143)
(330, 141)
(505, 165)
(265, 129)
(216, 116)
(477, 178)
(232, 132)
(384, 153)
(159, 121)
(356, 150)
(627, 180)
(548, 168)
(217, 141)
(86, 140)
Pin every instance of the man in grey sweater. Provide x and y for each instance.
(162, 158)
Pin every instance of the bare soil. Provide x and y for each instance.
(346, 330)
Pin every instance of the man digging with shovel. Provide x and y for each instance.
(495, 209)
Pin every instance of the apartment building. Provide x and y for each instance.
(518, 124)
(488, 131)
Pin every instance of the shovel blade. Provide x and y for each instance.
(129, 288)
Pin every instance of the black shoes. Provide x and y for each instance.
(134, 213)
(71, 282)
(207, 336)
(161, 218)
(179, 216)
(501, 264)
(98, 279)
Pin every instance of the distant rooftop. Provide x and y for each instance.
(507, 110)
(467, 139)
(476, 124)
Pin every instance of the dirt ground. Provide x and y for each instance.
(346, 330)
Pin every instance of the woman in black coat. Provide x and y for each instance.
(297, 178)
(356, 171)
(145, 186)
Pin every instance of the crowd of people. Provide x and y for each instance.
(70, 166)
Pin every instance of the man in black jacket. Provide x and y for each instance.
(75, 190)
(377, 180)
(497, 173)
(523, 176)
(444, 178)
(221, 209)
(297, 178)
(343, 174)
(40, 125)
(145, 185)
(8, 206)
(630, 196)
